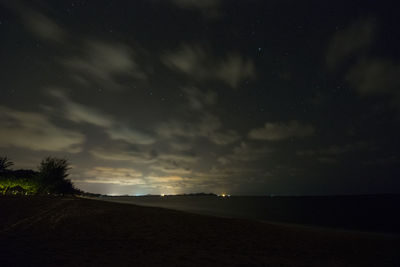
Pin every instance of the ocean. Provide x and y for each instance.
(370, 213)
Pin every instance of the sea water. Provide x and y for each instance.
(376, 213)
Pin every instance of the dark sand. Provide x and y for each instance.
(40, 231)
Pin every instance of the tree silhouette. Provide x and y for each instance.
(53, 176)
(5, 163)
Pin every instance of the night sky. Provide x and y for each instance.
(182, 96)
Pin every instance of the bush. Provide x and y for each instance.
(12, 185)
(51, 178)
(53, 173)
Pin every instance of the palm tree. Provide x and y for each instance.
(5, 163)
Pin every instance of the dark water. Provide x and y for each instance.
(378, 213)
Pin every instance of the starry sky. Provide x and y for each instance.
(180, 96)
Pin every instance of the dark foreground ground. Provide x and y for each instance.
(39, 231)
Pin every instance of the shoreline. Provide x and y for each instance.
(279, 223)
(198, 208)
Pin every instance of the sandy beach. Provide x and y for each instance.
(67, 231)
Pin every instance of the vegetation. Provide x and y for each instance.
(14, 186)
(5, 163)
(53, 176)
(50, 179)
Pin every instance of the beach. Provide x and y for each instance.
(70, 231)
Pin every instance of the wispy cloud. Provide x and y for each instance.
(178, 157)
(170, 168)
(80, 113)
(200, 65)
(43, 26)
(224, 137)
(37, 23)
(209, 8)
(109, 175)
(101, 63)
(207, 126)
(234, 69)
(353, 40)
(130, 135)
(368, 75)
(375, 76)
(116, 130)
(337, 150)
(36, 131)
(281, 130)
(132, 156)
(199, 100)
(334, 154)
(197, 4)
(244, 152)
(90, 62)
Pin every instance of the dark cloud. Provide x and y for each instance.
(334, 150)
(209, 8)
(281, 131)
(196, 62)
(122, 155)
(204, 125)
(101, 64)
(176, 157)
(197, 4)
(115, 130)
(375, 77)
(208, 126)
(367, 74)
(391, 160)
(171, 169)
(44, 27)
(199, 100)
(81, 113)
(37, 23)
(224, 138)
(36, 131)
(108, 175)
(244, 153)
(350, 41)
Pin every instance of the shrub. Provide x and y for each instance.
(53, 173)
(12, 185)
(51, 178)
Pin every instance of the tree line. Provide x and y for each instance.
(50, 178)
